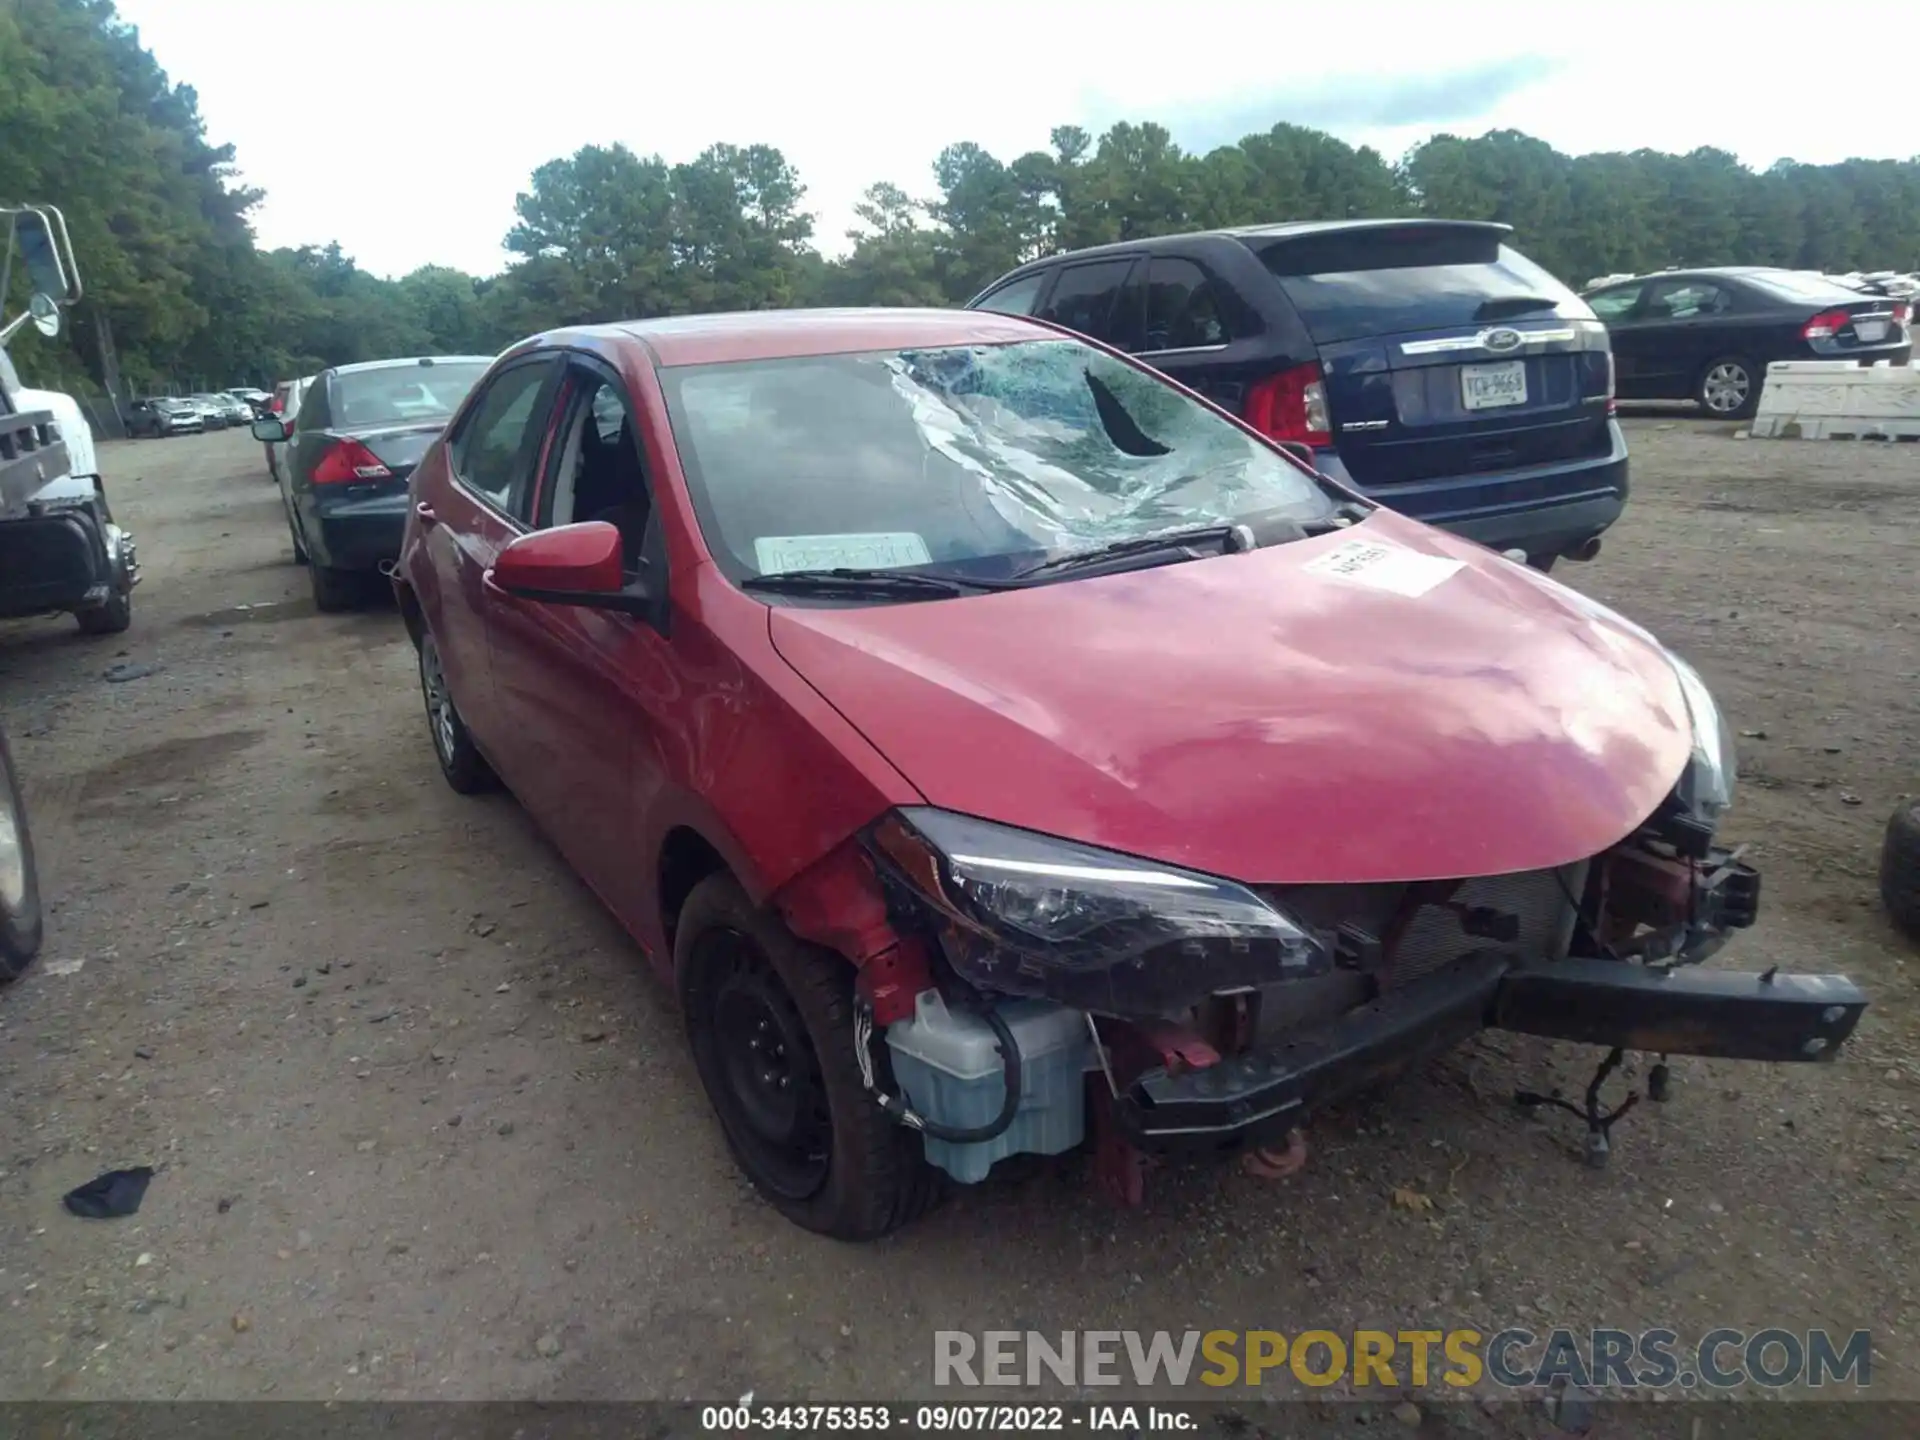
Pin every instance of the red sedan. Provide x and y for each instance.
(998, 746)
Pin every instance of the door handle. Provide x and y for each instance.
(424, 513)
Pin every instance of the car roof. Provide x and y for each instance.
(359, 366)
(785, 334)
(1254, 235)
(1699, 272)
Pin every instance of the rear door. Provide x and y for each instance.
(1443, 350)
(1086, 298)
(1682, 323)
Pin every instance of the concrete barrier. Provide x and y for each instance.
(1838, 400)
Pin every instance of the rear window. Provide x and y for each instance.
(1348, 284)
(402, 392)
(1787, 285)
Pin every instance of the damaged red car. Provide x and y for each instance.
(1000, 748)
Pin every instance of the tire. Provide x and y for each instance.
(109, 618)
(465, 769)
(736, 962)
(1543, 563)
(1729, 388)
(333, 590)
(1900, 868)
(20, 917)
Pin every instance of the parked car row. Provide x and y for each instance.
(190, 415)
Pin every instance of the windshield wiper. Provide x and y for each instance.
(864, 584)
(1228, 535)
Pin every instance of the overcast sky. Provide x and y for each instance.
(404, 128)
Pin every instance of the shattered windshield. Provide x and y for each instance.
(978, 460)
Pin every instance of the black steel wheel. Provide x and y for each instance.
(771, 1022)
(772, 1097)
(20, 918)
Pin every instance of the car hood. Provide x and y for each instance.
(1384, 703)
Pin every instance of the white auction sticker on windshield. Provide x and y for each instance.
(1384, 567)
(778, 554)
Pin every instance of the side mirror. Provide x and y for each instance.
(571, 565)
(272, 429)
(45, 311)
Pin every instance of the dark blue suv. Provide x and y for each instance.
(1426, 363)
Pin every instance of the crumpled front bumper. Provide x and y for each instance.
(1258, 1096)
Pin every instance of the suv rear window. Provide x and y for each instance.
(1347, 284)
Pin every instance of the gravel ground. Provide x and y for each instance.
(426, 1128)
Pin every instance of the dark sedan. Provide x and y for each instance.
(360, 431)
(1709, 335)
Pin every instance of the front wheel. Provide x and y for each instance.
(1729, 388)
(771, 1022)
(110, 617)
(465, 769)
(20, 921)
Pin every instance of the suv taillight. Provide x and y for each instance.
(1291, 406)
(1613, 405)
(1826, 325)
(348, 462)
(1902, 312)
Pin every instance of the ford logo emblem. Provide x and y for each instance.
(1501, 340)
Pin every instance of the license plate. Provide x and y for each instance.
(1870, 331)
(1487, 387)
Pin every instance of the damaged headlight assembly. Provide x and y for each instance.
(1020, 913)
(1706, 786)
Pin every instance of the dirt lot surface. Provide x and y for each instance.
(425, 1126)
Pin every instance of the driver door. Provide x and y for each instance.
(580, 689)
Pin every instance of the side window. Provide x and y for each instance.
(492, 453)
(1017, 298)
(1183, 311)
(596, 470)
(1685, 299)
(1614, 304)
(1084, 297)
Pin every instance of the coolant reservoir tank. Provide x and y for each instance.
(948, 1065)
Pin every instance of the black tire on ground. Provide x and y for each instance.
(110, 617)
(1543, 563)
(1900, 868)
(20, 918)
(1729, 387)
(461, 762)
(865, 1175)
(334, 590)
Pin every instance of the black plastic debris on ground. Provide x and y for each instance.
(116, 1193)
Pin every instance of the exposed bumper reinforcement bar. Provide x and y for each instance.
(1258, 1096)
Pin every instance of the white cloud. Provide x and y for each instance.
(404, 128)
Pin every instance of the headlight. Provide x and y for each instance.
(1706, 787)
(1026, 914)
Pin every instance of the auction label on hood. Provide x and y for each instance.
(1384, 567)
